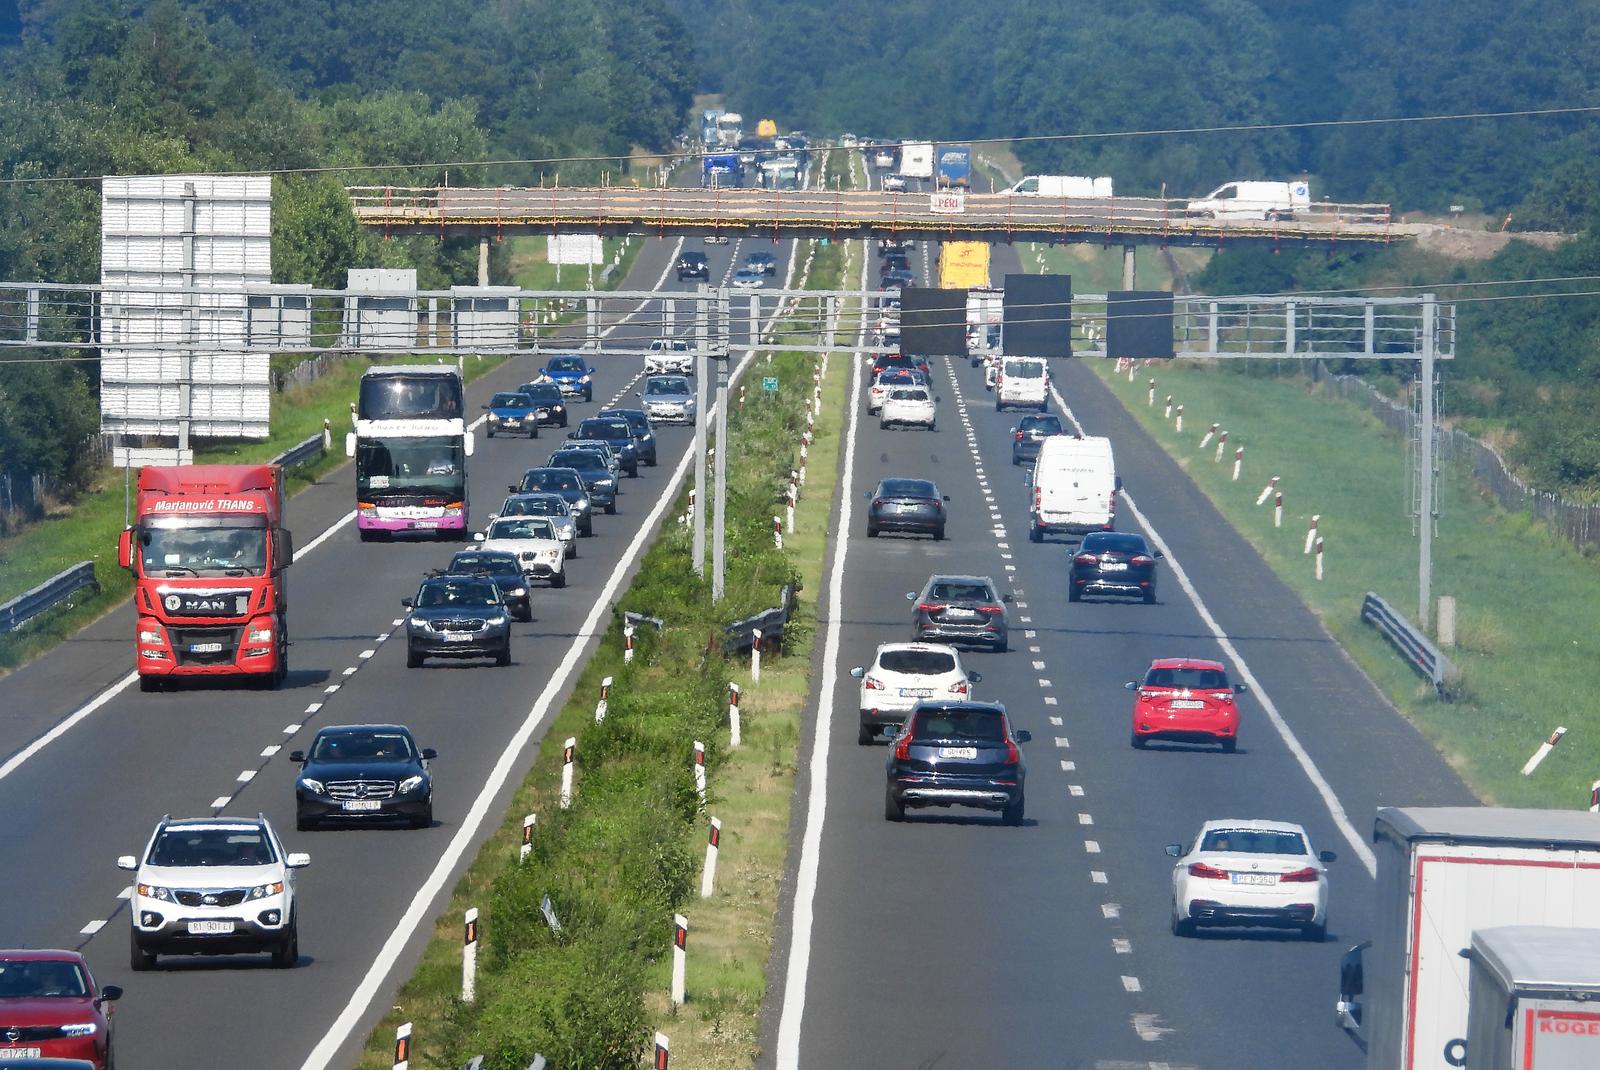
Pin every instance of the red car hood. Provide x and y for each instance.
(46, 1010)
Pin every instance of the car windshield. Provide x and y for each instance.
(1254, 841)
(917, 662)
(551, 481)
(522, 527)
(464, 593)
(947, 722)
(664, 387)
(565, 364)
(613, 429)
(551, 506)
(950, 591)
(1024, 371)
(511, 401)
(1116, 542)
(907, 488)
(542, 392)
(1204, 679)
(361, 746)
(1050, 425)
(32, 979)
(482, 562)
(211, 847)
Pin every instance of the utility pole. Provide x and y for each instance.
(1425, 463)
(720, 505)
(702, 414)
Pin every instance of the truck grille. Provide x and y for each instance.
(223, 897)
(361, 789)
(225, 639)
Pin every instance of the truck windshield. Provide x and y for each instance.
(203, 546)
(428, 396)
(429, 467)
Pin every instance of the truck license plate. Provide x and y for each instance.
(205, 648)
(19, 1053)
(210, 928)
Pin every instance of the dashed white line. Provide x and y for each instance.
(126, 893)
(313, 708)
(1085, 819)
(1131, 984)
(365, 654)
(269, 750)
(1049, 700)
(1111, 911)
(1038, 665)
(1033, 649)
(1061, 741)
(1069, 767)
(397, 622)
(1098, 876)
(351, 671)
(221, 801)
(92, 928)
(380, 638)
(1091, 846)
(1045, 683)
(1056, 721)
(330, 689)
(1075, 789)
(1026, 620)
(1121, 945)
(291, 729)
(245, 776)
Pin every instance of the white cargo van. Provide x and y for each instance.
(1253, 200)
(1074, 487)
(1022, 382)
(1063, 186)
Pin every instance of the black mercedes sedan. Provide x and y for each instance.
(365, 773)
(1118, 563)
(957, 754)
(911, 505)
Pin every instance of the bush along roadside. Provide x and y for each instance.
(578, 935)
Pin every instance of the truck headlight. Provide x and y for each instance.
(148, 635)
(259, 635)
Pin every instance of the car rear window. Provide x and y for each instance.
(917, 662)
(909, 393)
(962, 592)
(1254, 842)
(986, 726)
(1025, 371)
(1205, 679)
(1098, 541)
(1050, 424)
(907, 488)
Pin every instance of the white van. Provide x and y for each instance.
(1022, 382)
(1074, 487)
(1063, 186)
(1253, 200)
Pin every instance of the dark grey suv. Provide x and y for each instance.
(693, 266)
(1027, 436)
(457, 617)
(960, 609)
(957, 754)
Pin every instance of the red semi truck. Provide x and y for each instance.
(207, 551)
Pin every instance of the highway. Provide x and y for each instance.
(953, 941)
(89, 764)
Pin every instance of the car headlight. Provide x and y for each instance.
(494, 418)
(518, 592)
(409, 784)
(558, 408)
(155, 891)
(550, 555)
(315, 787)
(582, 503)
(498, 619)
(79, 1029)
(605, 482)
(262, 891)
(419, 623)
(584, 378)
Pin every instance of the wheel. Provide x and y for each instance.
(563, 419)
(363, 534)
(588, 395)
(287, 953)
(139, 960)
(872, 533)
(1230, 744)
(533, 432)
(1315, 933)
(1181, 926)
(999, 406)
(1137, 740)
(893, 809)
(572, 551)
(611, 509)
(1150, 597)
(1074, 593)
(938, 534)
(424, 819)
(1012, 815)
(633, 472)
(1002, 646)
(413, 660)
(526, 615)
(1015, 461)
(587, 530)
(559, 580)
(865, 735)
(302, 823)
(149, 684)
(651, 463)
(883, 425)
(503, 658)
(1035, 533)
(489, 433)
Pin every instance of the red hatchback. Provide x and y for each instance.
(1186, 700)
(50, 1008)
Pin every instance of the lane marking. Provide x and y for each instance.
(1049, 700)
(92, 928)
(365, 654)
(351, 671)
(1045, 683)
(1075, 790)
(1091, 846)
(1131, 984)
(245, 776)
(1056, 721)
(291, 729)
(1069, 767)
(270, 750)
(1038, 665)
(1121, 946)
(1098, 876)
(331, 688)
(1111, 911)
(1085, 819)
(126, 893)
(221, 801)
(1061, 741)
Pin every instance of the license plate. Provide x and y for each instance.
(909, 508)
(361, 804)
(1188, 704)
(425, 523)
(205, 648)
(19, 1053)
(210, 928)
(1113, 566)
(958, 752)
(1265, 879)
(915, 692)
(961, 614)
(456, 637)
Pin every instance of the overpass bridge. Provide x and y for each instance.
(840, 214)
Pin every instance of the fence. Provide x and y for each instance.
(1578, 522)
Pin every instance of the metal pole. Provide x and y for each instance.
(483, 261)
(1130, 269)
(720, 468)
(702, 415)
(1425, 466)
(190, 321)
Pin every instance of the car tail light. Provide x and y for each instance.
(1086, 559)
(1140, 560)
(1038, 497)
(1201, 869)
(902, 746)
(872, 684)
(959, 687)
(1013, 756)
(993, 611)
(877, 503)
(1299, 876)
(1017, 436)
(931, 607)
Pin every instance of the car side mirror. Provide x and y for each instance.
(407, 602)
(110, 993)
(1160, 554)
(1175, 850)
(858, 672)
(1022, 735)
(911, 596)
(947, 497)
(127, 862)
(298, 860)
(511, 488)
(1241, 688)
(1327, 856)
(494, 516)
(477, 536)
(974, 677)
(1130, 686)
(429, 754)
(1008, 598)
(298, 757)
(572, 434)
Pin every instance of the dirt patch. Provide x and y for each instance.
(1459, 243)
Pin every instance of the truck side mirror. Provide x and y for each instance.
(350, 444)
(125, 548)
(282, 548)
(1351, 980)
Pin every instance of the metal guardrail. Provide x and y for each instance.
(309, 450)
(740, 635)
(52, 592)
(1421, 654)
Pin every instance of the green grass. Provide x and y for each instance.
(531, 271)
(1096, 269)
(1526, 631)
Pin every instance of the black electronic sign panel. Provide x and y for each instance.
(1037, 314)
(933, 322)
(1139, 323)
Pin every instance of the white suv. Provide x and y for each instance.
(904, 674)
(669, 355)
(213, 886)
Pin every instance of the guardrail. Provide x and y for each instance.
(1421, 654)
(52, 592)
(309, 450)
(740, 635)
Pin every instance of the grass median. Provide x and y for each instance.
(1525, 634)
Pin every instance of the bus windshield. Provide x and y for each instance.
(430, 467)
(398, 396)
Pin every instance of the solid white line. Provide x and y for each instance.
(15, 761)
(1330, 798)
(326, 535)
(794, 985)
(126, 893)
(419, 911)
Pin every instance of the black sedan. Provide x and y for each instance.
(911, 505)
(364, 772)
(614, 432)
(957, 754)
(644, 439)
(548, 404)
(1034, 429)
(960, 609)
(1118, 563)
(591, 467)
(457, 617)
(504, 570)
(565, 482)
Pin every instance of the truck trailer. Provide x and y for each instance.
(916, 159)
(955, 167)
(1533, 1000)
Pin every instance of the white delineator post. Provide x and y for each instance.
(708, 876)
(527, 838)
(755, 655)
(627, 643)
(1238, 462)
(690, 513)
(777, 531)
(1177, 424)
(1166, 413)
(1318, 551)
(1152, 396)
(1266, 491)
(788, 515)
(663, 1047)
(1544, 751)
(569, 758)
(469, 957)
(700, 770)
(1222, 444)
(1205, 439)
(402, 1047)
(1277, 510)
(604, 704)
(680, 955)
(1594, 797)
(734, 730)
(1311, 532)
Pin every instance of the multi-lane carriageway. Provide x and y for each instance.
(946, 941)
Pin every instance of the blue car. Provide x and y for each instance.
(512, 412)
(572, 374)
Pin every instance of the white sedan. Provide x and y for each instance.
(1250, 873)
(534, 541)
(912, 405)
(902, 675)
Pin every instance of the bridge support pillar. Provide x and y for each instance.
(483, 261)
(1130, 272)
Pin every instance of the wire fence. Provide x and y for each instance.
(1577, 522)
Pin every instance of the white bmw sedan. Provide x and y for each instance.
(1250, 873)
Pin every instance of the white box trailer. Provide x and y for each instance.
(1534, 999)
(916, 159)
(1444, 872)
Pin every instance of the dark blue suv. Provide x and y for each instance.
(957, 754)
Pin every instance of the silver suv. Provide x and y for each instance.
(213, 886)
